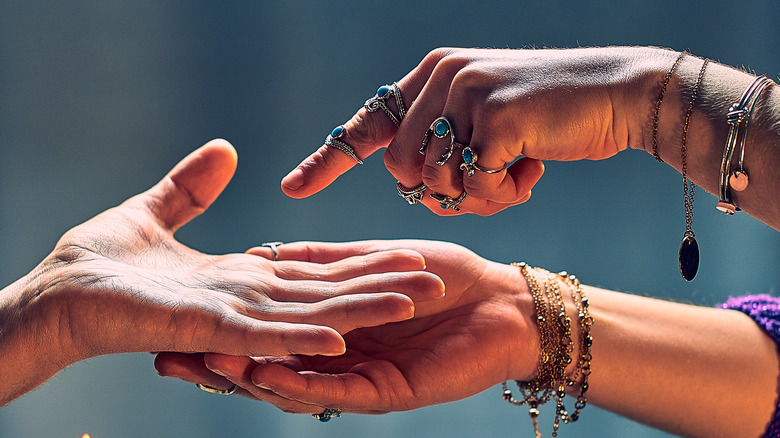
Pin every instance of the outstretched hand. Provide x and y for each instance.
(480, 334)
(503, 104)
(122, 283)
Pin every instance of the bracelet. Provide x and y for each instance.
(738, 119)
(556, 347)
(658, 104)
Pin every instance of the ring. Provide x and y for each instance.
(332, 140)
(470, 162)
(273, 246)
(412, 196)
(440, 128)
(212, 390)
(327, 414)
(378, 101)
(446, 202)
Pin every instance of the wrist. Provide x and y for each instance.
(31, 347)
(517, 310)
(638, 93)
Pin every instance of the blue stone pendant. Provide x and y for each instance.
(689, 257)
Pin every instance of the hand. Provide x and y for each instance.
(480, 334)
(121, 283)
(540, 104)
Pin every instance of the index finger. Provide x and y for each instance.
(365, 133)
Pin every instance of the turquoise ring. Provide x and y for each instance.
(441, 127)
(470, 162)
(327, 414)
(446, 202)
(378, 102)
(333, 140)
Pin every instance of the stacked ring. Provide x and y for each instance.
(446, 202)
(333, 140)
(378, 101)
(412, 196)
(327, 414)
(470, 162)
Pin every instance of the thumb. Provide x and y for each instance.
(192, 185)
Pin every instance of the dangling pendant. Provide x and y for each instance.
(689, 257)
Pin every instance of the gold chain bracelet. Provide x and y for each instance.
(556, 347)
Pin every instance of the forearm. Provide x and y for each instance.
(689, 370)
(721, 86)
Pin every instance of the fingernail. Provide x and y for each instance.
(294, 180)
(264, 385)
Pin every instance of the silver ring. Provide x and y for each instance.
(446, 202)
(327, 414)
(332, 140)
(412, 196)
(441, 127)
(470, 162)
(273, 246)
(378, 101)
(212, 390)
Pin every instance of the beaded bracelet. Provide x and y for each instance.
(556, 347)
(738, 119)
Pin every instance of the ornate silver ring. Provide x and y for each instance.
(378, 102)
(470, 162)
(213, 390)
(333, 140)
(446, 202)
(441, 127)
(327, 414)
(412, 196)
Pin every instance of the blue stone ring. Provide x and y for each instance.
(446, 202)
(378, 102)
(470, 162)
(327, 414)
(441, 127)
(333, 140)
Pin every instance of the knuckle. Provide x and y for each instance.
(435, 56)
(392, 162)
(369, 129)
(322, 158)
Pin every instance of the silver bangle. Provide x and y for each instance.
(738, 119)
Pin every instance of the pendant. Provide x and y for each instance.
(738, 180)
(689, 257)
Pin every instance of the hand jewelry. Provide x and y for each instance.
(440, 128)
(273, 246)
(333, 140)
(378, 101)
(327, 414)
(412, 196)
(446, 202)
(470, 162)
(213, 390)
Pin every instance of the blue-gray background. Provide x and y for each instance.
(99, 99)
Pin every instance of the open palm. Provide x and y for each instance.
(478, 335)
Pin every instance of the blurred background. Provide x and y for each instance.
(99, 99)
